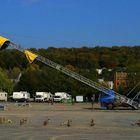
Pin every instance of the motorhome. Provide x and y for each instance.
(42, 96)
(3, 96)
(21, 96)
(59, 96)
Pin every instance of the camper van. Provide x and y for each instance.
(42, 96)
(59, 96)
(23, 96)
(3, 96)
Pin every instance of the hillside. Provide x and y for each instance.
(85, 61)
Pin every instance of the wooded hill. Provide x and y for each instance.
(85, 61)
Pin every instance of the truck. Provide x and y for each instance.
(109, 101)
(42, 96)
(3, 96)
(59, 96)
(22, 96)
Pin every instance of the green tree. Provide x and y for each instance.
(5, 83)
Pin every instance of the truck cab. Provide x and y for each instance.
(107, 100)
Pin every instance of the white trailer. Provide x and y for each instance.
(21, 96)
(42, 96)
(79, 98)
(3, 96)
(59, 96)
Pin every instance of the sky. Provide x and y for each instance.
(71, 23)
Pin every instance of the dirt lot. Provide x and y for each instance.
(109, 124)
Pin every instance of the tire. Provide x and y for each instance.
(110, 106)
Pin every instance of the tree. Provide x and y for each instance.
(82, 60)
(5, 83)
(14, 73)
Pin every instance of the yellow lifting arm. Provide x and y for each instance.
(30, 56)
(4, 42)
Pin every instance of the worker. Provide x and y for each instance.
(52, 99)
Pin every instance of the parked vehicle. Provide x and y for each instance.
(108, 101)
(79, 98)
(21, 96)
(59, 96)
(42, 96)
(3, 96)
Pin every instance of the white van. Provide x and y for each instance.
(21, 96)
(59, 96)
(42, 96)
(3, 96)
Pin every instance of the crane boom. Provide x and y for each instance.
(121, 98)
(87, 81)
(32, 56)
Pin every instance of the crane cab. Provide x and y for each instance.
(107, 100)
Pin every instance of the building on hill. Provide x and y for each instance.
(99, 71)
(110, 84)
(105, 78)
(120, 79)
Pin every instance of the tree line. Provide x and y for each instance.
(84, 60)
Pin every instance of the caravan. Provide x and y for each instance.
(3, 96)
(42, 96)
(21, 96)
(59, 96)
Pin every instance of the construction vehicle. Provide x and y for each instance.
(109, 97)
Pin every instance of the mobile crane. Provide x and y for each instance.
(109, 98)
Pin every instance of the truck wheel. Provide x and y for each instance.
(110, 106)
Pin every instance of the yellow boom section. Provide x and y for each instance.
(30, 56)
(4, 42)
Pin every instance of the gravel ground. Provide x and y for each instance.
(109, 124)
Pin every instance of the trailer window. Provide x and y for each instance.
(38, 96)
(57, 96)
(5, 95)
